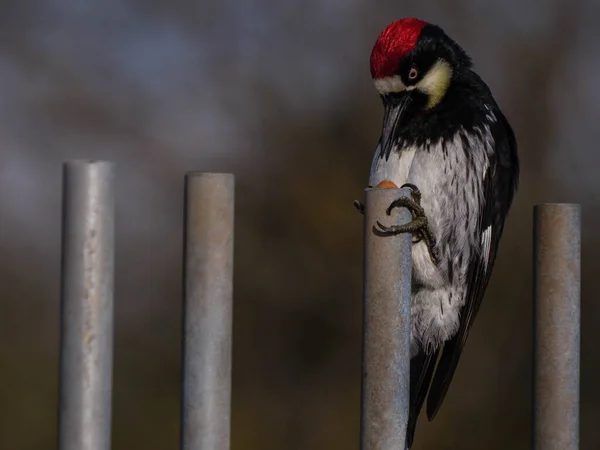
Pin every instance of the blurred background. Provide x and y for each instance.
(280, 94)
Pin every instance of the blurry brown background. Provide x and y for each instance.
(280, 94)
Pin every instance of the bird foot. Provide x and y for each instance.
(419, 226)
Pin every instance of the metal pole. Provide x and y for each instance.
(207, 311)
(557, 272)
(86, 306)
(386, 326)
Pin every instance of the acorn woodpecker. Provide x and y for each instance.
(446, 139)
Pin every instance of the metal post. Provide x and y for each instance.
(557, 271)
(386, 325)
(207, 311)
(86, 306)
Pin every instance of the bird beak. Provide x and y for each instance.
(394, 108)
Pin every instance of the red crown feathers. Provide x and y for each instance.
(395, 41)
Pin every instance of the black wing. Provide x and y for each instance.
(500, 184)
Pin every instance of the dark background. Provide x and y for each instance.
(280, 94)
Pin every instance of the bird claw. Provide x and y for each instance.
(415, 194)
(388, 231)
(360, 207)
(419, 226)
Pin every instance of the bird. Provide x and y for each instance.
(445, 138)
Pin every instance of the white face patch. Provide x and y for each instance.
(389, 85)
(435, 83)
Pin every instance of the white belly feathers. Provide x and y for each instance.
(436, 302)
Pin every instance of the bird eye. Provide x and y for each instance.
(413, 73)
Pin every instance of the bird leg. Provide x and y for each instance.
(419, 226)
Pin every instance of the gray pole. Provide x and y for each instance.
(386, 326)
(557, 271)
(86, 306)
(207, 311)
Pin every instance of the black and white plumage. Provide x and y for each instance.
(444, 133)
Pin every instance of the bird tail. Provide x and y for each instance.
(421, 372)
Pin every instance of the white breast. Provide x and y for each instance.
(400, 168)
(450, 197)
(395, 169)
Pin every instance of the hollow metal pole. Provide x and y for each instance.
(386, 325)
(557, 272)
(86, 306)
(207, 311)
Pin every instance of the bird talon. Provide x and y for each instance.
(410, 186)
(419, 226)
(360, 207)
(414, 208)
(415, 192)
(385, 229)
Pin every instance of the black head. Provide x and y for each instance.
(413, 65)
